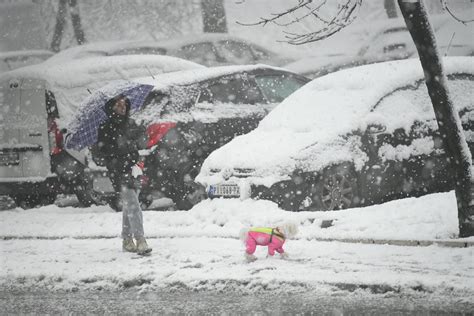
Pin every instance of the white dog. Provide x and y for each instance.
(272, 237)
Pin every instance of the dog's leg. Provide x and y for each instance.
(250, 258)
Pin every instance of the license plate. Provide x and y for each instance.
(9, 158)
(224, 190)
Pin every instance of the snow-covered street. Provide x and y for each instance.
(55, 249)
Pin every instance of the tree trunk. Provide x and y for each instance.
(76, 22)
(390, 8)
(213, 16)
(59, 27)
(449, 124)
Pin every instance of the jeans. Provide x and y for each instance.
(132, 220)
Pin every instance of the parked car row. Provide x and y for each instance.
(338, 142)
(211, 49)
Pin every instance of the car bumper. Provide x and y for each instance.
(238, 190)
(21, 186)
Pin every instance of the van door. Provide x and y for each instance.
(9, 133)
(24, 147)
(34, 141)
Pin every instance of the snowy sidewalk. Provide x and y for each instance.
(79, 248)
(217, 264)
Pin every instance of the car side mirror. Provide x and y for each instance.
(376, 128)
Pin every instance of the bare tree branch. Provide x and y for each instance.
(264, 21)
(344, 16)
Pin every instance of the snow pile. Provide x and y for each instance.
(430, 217)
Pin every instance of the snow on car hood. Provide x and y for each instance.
(307, 129)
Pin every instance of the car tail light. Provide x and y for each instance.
(156, 132)
(141, 164)
(55, 137)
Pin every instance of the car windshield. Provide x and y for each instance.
(141, 51)
(277, 87)
(201, 53)
(22, 61)
(236, 90)
(235, 52)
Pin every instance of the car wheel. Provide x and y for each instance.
(287, 194)
(336, 189)
(85, 196)
(115, 202)
(192, 195)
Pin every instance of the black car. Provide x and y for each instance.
(195, 112)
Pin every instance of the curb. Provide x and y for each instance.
(410, 243)
(390, 242)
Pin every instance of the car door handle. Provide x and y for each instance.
(36, 134)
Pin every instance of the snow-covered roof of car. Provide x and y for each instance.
(109, 47)
(71, 81)
(97, 49)
(319, 113)
(198, 38)
(186, 77)
(25, 53)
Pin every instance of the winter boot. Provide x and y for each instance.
(128, 245)
(142, 246)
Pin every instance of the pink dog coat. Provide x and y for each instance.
(264, 236)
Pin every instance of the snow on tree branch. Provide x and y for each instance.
(330, 17)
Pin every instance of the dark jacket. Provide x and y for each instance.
(119, 140)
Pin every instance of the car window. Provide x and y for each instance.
(260, 53)
(201, 53)
(237, 90)
(407, 105)
(4, 66)
(90, 53)
(277, 87)
(141, 51)
(235, 52)
(51, 105)
(22, 61)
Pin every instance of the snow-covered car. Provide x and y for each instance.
(16, 59)
(355, 137)
(199, 110)
(206, 49)
(37, 103)
(391, 42)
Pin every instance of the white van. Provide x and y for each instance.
(37, 104)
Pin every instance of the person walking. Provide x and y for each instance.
(119, 139)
